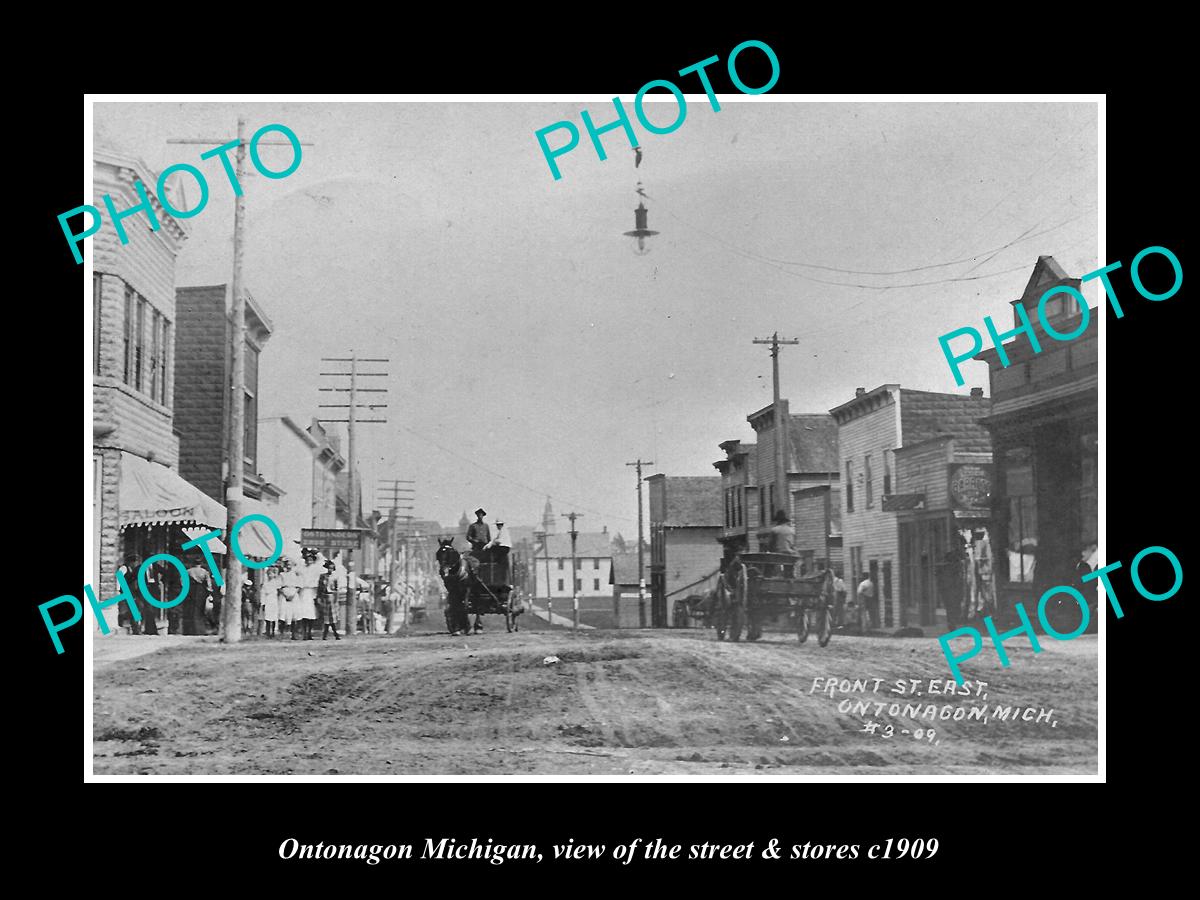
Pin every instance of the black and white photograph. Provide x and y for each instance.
(511, 437)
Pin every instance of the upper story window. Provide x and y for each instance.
(889, 461)
(849, 486)
(146, 346)
(868, 486)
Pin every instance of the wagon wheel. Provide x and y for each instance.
(802, 623)
(737, 611)
(825, 620)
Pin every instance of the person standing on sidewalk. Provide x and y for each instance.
(839, 598)
(289, 588)
(327, 601)
(128, 572)
(306, 602)
(199, 591)
(866, 602)
(269, 608)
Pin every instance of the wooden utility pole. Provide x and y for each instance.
(574, 565)
(641, 551)
(781, 482)
(352, 421)
(230, 630)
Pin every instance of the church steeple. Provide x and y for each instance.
(549, 522)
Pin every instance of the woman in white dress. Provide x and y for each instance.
(270, 601)
(306, 603)
(289, 587)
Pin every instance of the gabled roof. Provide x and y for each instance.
(624, 569)
(1046, 271)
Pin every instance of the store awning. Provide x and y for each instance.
(151, 494)
(216, 545)
(255, 539)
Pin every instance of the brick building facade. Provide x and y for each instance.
(202, 374)
(140, 502)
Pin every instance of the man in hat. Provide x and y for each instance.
(783, 540)
(478, 533)
(500, 546)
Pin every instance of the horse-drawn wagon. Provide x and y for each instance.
(760, 587)
(477, 584)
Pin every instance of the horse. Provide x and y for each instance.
(459, 574)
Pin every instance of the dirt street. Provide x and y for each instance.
(616, 702)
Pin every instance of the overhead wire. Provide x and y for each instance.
(502, 476)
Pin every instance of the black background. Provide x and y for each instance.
(983, 828)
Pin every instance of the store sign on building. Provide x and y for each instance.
(903, 502)
(971, 486)
(331, 538)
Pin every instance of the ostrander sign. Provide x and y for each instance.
(331, 538)
(970, 486)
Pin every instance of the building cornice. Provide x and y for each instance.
(129, 169)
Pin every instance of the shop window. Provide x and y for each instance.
(1022, 538)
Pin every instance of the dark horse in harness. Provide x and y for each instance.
(458, 574)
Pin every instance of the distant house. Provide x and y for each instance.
(686, 518)
(625, 591)
(593, 566)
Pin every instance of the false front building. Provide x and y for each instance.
(1044, 430)
(871, 429)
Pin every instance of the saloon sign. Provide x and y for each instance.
(971, 486)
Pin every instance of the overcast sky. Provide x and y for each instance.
(525, 336)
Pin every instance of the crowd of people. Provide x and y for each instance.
(294, 598)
